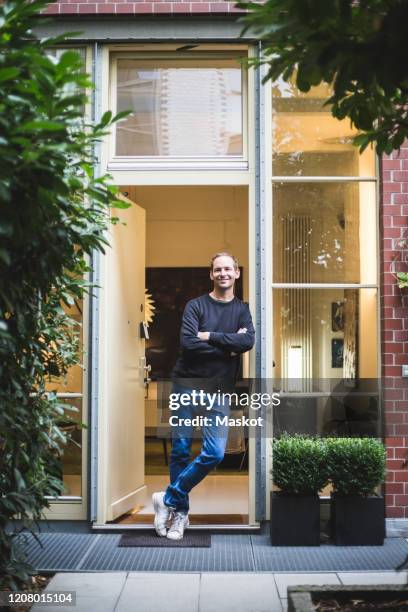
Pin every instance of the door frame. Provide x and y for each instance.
(250, 177)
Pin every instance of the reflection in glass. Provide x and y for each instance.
(308, 141)
(325, 333)
(70, 422)
(180, 107)
(72, 382)
(71, 454)
(352, 413)
(71, 88)
(324, 232)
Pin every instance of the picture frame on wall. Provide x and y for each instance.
(337, 352)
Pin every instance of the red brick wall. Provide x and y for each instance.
(394, 326)
(141, 7)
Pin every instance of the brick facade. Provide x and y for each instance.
(141, 7)
(394, 326)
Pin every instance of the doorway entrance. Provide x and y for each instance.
(184, 227)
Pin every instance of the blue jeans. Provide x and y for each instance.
(183, 474)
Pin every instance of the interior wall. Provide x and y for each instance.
(187, 225)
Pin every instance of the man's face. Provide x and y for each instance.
(223, 273)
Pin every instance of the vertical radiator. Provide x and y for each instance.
(296, 315)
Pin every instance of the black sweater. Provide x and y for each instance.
(213, 359)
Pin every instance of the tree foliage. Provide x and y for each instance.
(53, 213)
(357, 46)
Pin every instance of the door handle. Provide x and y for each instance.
(146, 378)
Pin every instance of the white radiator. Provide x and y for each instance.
(296, 323)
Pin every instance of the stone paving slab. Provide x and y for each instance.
(83, 604)
(90, 584)
(93, 591)
(167, 593)
(234, 592)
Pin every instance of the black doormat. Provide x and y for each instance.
(150, 539)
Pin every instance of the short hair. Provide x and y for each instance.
(224, 254)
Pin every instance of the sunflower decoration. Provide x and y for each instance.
(149, 307)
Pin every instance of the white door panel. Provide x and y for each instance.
(125, 350)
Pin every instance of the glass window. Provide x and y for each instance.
(73, 381)
(325, 333)
(324, 232)
(71, 454)
(348, 411)
(57, 52)
(69, 390)
(308, 141)
(190, 107)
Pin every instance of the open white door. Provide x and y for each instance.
(124, 468)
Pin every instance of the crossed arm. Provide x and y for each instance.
(190, 336)
(218, 344)
(236, 343)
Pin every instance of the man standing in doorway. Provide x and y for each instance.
(216, 329)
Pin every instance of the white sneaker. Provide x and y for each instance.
(179, 523)
(161, 513)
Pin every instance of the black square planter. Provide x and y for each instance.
(295, 520)
(358, 521)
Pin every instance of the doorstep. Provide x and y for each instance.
(214, 528)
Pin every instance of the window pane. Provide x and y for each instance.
(347, 412)
(58, 51)
(308, 141)
(324, 232)
(179, 108)
(71, 88)
(325, 333)
(71, 455)
(72, 382)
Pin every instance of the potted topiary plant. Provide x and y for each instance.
(356, 469)
(300, 472)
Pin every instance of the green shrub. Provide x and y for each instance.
(299, 464)
(54, 214)
(356, 465)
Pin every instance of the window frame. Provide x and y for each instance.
(270, 179)
(72, 507)
(156, 162)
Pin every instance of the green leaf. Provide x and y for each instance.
(106, 118)
(7, 74)
(122, 115)
(68, 59)
(47, 126)
(402, 279)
